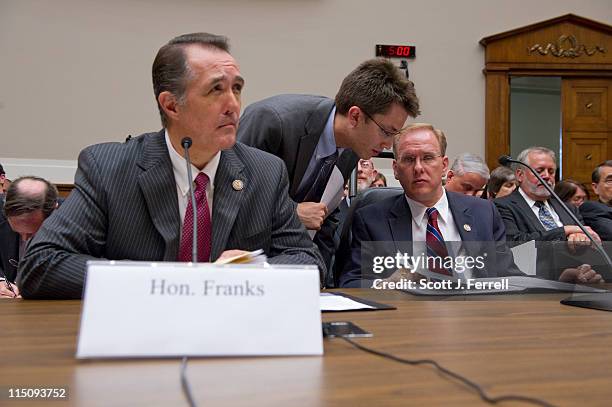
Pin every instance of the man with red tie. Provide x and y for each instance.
(131, 200)
(428, 213)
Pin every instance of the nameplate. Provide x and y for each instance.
(138, 310)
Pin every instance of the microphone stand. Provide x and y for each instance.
(186, 143)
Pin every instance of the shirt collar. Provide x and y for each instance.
(418, 209)
(529, 201)
(180, 168)
(327, 143)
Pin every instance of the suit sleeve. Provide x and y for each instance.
(351, 275)
(504, 259)
(290, 243)
(261, 127)
(514, 232)
(55, 261)
(599, 218)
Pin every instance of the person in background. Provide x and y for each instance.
(317, 136)
(379, 181)
(572, 192)
(468, 175)
(598, 215)
(366, 174)
(29, 201)
(502, 183)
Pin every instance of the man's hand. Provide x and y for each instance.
(583, 274)
(312, 214)
(574, 234)
(6, 293)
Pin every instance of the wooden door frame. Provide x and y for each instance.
(511, 54)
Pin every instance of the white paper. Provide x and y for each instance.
(138, 309)
(331, 302)
(333, 194)
(525, 256)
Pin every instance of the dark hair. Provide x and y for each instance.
(596, 175)
(499, 176)
(373, 86)
(567, 188)
(2, 170)
(17, 202)
(170, 68)
(380, 176)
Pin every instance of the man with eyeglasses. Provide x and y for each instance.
(598, 215)
(315, 134)
(428, 213)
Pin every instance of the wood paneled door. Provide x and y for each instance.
(578, 50)
(587, 126)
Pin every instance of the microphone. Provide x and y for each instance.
(505, 160)
(186, 142)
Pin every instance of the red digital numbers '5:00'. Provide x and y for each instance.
(395, 51)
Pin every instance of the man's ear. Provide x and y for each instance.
(520, 175)
(168, 103)
(395, 169)
(449, 175)
(353, 115)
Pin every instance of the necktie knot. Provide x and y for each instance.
(201, 182)
(432, 214)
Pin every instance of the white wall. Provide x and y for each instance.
(77, 72)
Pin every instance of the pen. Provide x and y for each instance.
(7, 282)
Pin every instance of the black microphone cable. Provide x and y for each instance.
(185, 384)
(469, 383)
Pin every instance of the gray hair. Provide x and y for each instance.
(524, 155)
(468, 162)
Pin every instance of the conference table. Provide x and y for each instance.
(526, 344)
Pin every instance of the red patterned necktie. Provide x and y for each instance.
(204, 224)
(436, 249)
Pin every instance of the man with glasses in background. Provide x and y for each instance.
(598, 215)
(315, 134)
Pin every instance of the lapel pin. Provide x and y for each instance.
(237, 185)
(467, 228)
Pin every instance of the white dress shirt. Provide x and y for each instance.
(536, 209)
(179, 168)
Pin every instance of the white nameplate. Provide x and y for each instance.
(138, 309)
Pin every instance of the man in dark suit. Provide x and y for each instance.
(29, 201)
(598, 215)
(420, 165)
(131, 200)
(528, 213)
(312, 133)
(427, 213)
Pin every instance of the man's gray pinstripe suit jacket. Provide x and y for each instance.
(124, 206)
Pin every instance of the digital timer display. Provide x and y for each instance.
(395, 51)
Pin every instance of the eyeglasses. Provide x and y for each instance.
(387, 133)
(426, 159)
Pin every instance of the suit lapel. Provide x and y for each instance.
(227, 200)
(159, 190)
(462, 216)
(563, 216)
(313, 129)
(400, 223)
(524, 208)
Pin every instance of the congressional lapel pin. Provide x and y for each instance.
(467, 228)
(237, 185)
